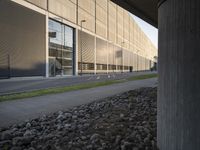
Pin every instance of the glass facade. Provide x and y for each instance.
(61, 49)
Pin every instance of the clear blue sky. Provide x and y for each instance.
(148, 29)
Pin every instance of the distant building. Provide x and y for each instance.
(57, 37)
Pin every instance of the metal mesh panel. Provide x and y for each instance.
(119, 25)
(118, 55)
(40, 3)
(135, 58)
(63, 8)
(143, 63)
(126, 57)
(112, 26)
(101, 18)
(4, 58)
(131, 59)
(146, 64)
(101, 51)
(139, 62)
(111, 54)
(87, 47)
(23, 39)
(86, 11)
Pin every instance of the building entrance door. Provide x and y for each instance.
(61, 49)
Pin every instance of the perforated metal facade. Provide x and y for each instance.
(22, 43)
(86, 48)
(105, 35)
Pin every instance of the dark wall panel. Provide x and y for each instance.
(22, 39)
(118, 55)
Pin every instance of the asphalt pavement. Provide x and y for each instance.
(16, 111)
(17, 85)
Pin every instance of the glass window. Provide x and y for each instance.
(61, 47)
(67, 54)
(68, 42)
(55, 32)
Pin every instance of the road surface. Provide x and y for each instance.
(19, 110)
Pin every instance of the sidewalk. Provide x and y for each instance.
(18, 85)
(19, 110)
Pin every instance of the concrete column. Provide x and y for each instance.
(47, 46)
(107, 53)
(122, 60)
(76, 52)
(179, 75)
(95, 55)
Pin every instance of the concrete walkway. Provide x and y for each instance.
(19, 110)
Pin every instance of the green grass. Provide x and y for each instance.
(70, 88)
(142, 77)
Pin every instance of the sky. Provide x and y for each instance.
(148, 29)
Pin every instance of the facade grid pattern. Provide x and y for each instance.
(109, 40)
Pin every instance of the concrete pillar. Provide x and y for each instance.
(95, 55)
(47, 46)
(107, 53)
(76, 52)
(179, 75)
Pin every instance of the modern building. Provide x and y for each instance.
(67, 37)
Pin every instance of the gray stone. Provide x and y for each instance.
(60, 117)
(99, 128)
(83, 137)
(6, 135)
(89, 147)
(28, 125)
(68, 126)
(28, 133)
(16, 148)
(118, 139)
(94, 138)
(121, 116)
(60, 112)
(33, 143)
(108, 135)
(19, 141)
(68, 115)
(5, 143)
(14, 129)
(146, 140)
(74, 117)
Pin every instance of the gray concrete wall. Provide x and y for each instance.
(179, 75)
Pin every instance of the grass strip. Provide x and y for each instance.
(56, 90)
(70, 88)
(142, 77)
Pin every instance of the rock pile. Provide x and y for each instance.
(123, 122)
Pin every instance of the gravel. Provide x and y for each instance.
(123, 122)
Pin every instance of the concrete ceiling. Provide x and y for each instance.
(145, 9)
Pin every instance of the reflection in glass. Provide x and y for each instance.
(60, 48)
